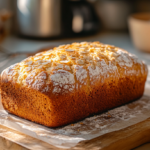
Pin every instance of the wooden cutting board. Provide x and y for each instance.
(125, 139)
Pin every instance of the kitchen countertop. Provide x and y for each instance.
(15, 44)
(123, 40)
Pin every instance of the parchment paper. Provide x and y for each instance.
(91, 127)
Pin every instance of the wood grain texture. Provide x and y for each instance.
(125, 139)
(144, 147)
(9, 145)
(13, 140)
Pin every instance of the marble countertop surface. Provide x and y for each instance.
(15, 44)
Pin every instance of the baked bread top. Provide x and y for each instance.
(59, 70)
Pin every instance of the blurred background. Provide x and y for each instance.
(68, 18)
(29, 26)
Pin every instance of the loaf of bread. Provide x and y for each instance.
(71, 82)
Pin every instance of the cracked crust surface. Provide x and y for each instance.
(72, 81)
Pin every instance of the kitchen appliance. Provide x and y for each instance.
(84, 18)
(39, 18)
(54, 18)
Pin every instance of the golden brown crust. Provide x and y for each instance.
(67, 94)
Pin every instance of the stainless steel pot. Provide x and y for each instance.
(39, 18)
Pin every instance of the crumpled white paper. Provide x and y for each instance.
(91, 127)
